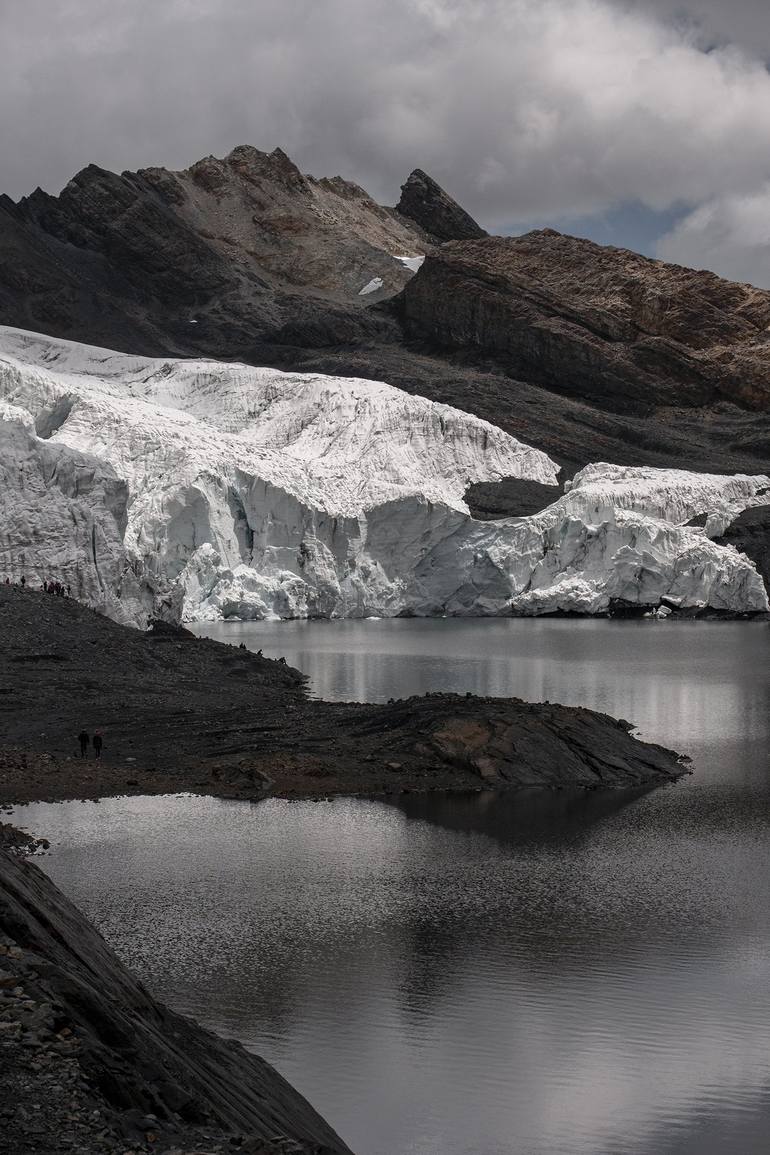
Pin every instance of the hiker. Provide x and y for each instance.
(23, 580)
(97, 743)
(83, 739)
(69, 590)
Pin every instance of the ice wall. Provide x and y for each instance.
(252, 493)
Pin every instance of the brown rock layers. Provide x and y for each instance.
(597, 323)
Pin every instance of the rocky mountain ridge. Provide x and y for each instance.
(238, 246)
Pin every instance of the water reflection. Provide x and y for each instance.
(529, 816)
(687, 684)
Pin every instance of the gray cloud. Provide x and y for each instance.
(729, 235)
(740, 22)
(524, 109)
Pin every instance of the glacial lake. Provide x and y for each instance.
(537, 975)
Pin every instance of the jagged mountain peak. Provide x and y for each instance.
(424, 200)
(246, 162)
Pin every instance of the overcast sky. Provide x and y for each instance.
(639, 122)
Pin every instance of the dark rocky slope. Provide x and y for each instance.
(750, 533)
(215, 259)
(89, 1060)
(513, 497)
(181, 712)
(590, 353)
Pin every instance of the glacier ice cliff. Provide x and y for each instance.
(205, 490)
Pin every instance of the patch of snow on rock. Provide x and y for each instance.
(371, 286)
(412, 263)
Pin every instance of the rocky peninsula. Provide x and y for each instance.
(185, 713)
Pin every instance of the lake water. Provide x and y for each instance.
(538, 975)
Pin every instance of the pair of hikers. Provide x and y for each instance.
(84, 739)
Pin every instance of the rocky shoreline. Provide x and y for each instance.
(91, 1064)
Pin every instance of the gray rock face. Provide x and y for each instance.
(138, 1066)
(287, 229)
(215, 258)
(511, 497)
(424, 201)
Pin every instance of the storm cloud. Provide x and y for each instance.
(524, 109)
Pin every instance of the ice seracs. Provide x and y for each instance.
(672, 495)
(249, 492)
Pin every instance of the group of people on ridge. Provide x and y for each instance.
(58, 588)
(61, 589)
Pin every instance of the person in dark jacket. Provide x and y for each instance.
(83, 739)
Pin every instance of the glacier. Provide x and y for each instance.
(202, 489)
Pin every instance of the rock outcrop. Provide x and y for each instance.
(749, 533)
(624, 332)
(509, 497)
(425, 202)
(222, 255)
(93, 1059)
